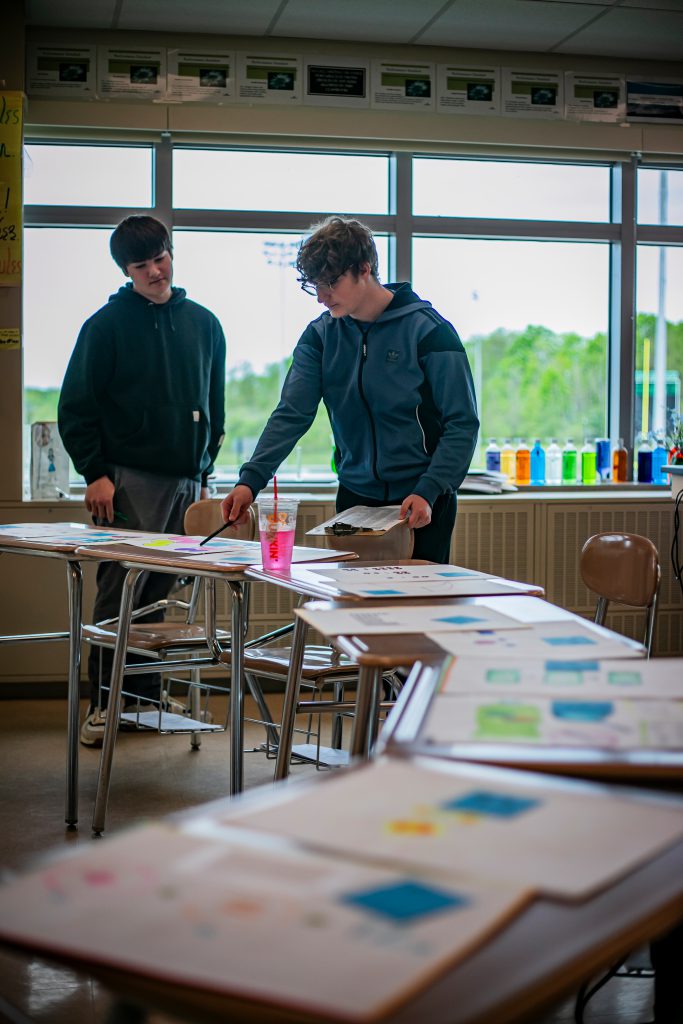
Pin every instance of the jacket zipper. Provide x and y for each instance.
(364, 356)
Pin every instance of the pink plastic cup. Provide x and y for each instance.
(277, 523)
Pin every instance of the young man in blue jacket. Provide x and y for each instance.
(397, 385)
(141, 414)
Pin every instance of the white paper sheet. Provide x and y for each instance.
(416, 619)
(566, 721)
(212, 913)
(564, 676)
(455, 818)
(362, 517)
(355, 574)
(561, 639)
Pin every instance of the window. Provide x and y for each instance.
(521, 256)
(538, 357)
(88, 175)
(533, 191)
(248, 280)
(301, 182)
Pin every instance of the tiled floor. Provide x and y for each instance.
(153, 775)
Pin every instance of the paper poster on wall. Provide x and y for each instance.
(402, 86)
(49, 462)
(10, 338)
(594, 97)
(336, 82)
(467, 90)
(654, 100)
(269, 78)
(132, 73)
(11, 118)
(207, 76)
(61, 71)
(532, 93)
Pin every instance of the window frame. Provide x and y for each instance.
(621, 232)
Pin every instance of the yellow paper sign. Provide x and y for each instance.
(9, 338)
(11, 112)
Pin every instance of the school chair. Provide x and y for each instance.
(184, 641)
(623, 567)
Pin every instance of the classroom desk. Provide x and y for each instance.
(137, 561)
(305, 582)
(537, 959)
(401, 737)
(66, 551)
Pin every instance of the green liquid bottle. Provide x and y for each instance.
(589, 465)
(569, 463)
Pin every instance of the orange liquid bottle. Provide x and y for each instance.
(620, 463)
(523, 464)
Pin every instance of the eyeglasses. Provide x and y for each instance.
(311, 287)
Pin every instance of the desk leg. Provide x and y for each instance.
(115, 686)
(284, 750)
(236, 687)
(74, 578)
(366, 709)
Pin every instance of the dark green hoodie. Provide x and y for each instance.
(145, 388)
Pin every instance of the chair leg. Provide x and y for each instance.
(338, 718)
(267, 719)
(195, 707)
(601, 611)
(650, 626)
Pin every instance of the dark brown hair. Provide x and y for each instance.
(334, 246)
(138, 238)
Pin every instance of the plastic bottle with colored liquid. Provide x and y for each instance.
(569, 462)
(660, 457)
(553, 463)
(507, 460)
(620, 463)
(644, 462)
(492, 457)
(589, 462)
(522, 464)
(537, 464)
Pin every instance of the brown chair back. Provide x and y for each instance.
(622, 567)
(393, 546)
(203, 517)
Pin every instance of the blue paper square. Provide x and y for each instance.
(385, 593)
(571, 666)
(460, 620)
(568, 641)
(406, 901)
(496, 805)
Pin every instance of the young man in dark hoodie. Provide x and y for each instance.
(397, 385)
(141, 414)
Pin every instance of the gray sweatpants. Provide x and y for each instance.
(145, 501)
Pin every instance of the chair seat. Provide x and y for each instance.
(319, 662)
(153, 636)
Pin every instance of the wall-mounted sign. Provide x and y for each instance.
(336, 82)
(402, 86)
(63, 72)
(533, 93)
(654, 100)
(467, 90)
(204, 75)
(11, 120)
(594, 97)
(269, 78)
(131, 74)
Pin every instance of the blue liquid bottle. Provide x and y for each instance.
(537, 464)
(660, 457)
(644, 462)
(492, 457)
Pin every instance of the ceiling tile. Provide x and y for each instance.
(76, 14)
(627, 32)
(389, 21)
(507, 24)
(225, 17)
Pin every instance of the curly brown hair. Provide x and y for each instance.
(334, 246)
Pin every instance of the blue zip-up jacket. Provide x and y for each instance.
(145, 388)
(400, 397)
